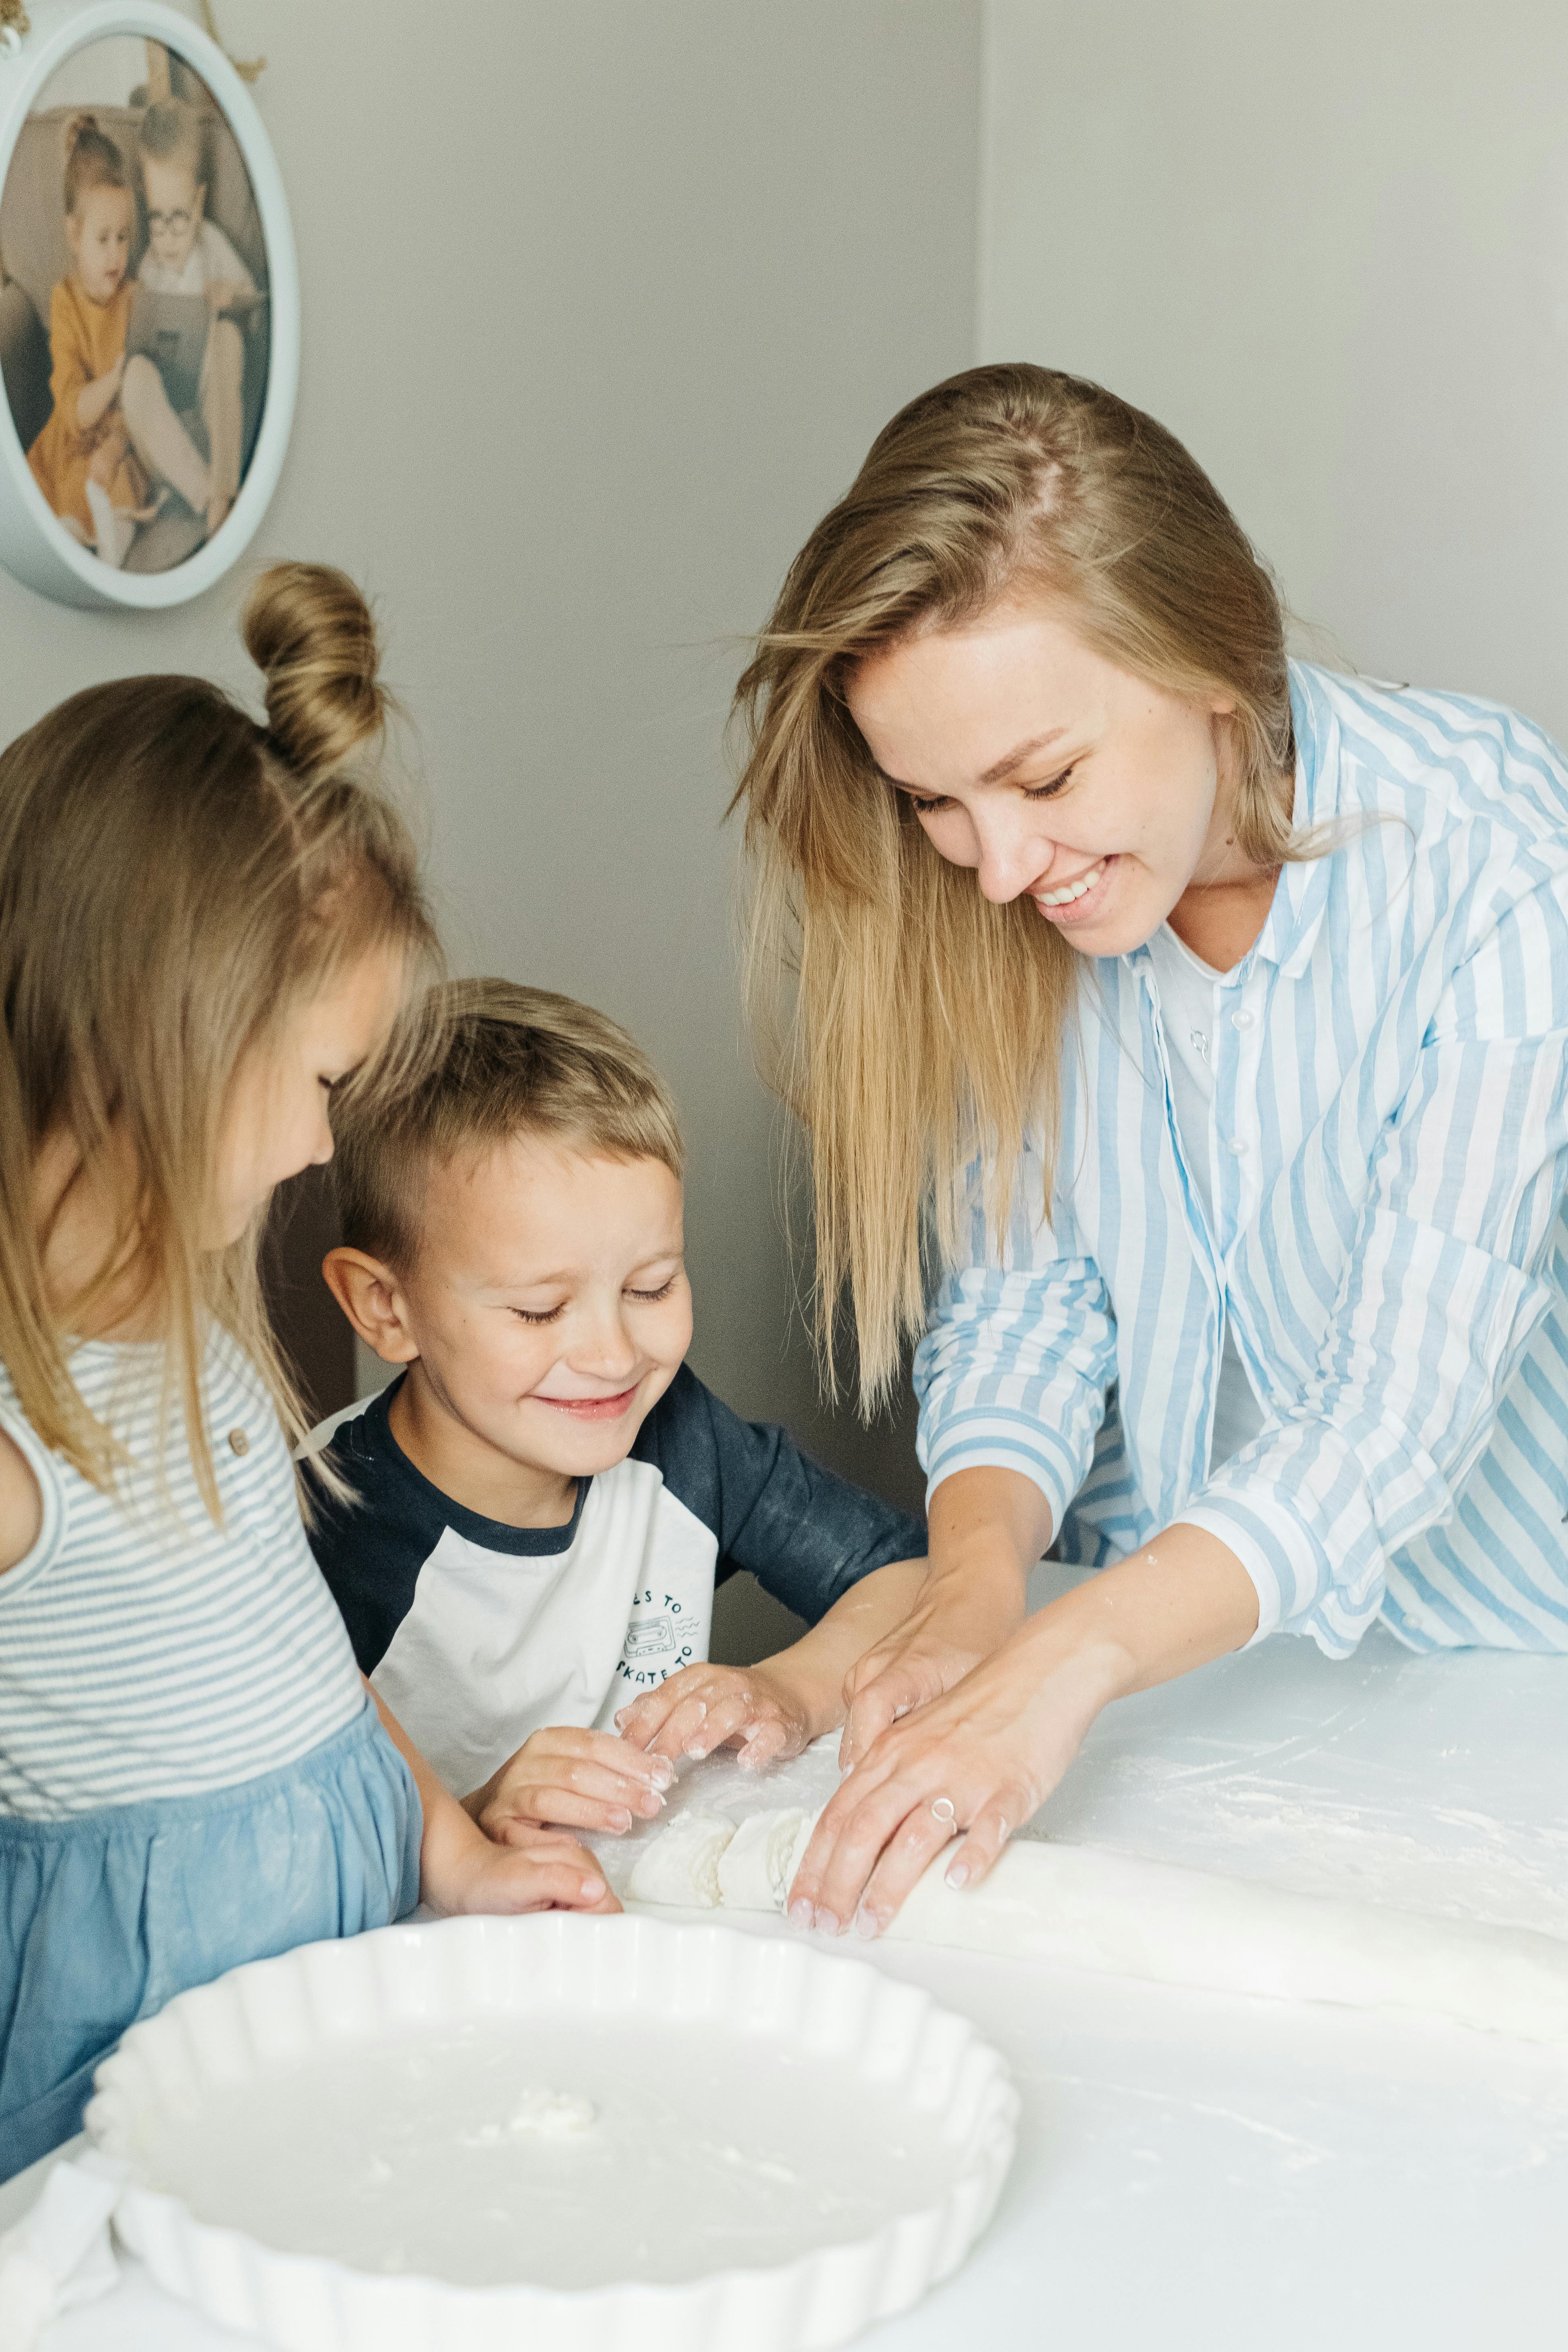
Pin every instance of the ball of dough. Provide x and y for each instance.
(681, 1866)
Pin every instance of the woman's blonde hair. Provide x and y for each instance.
(907, 1022)
(176, 880)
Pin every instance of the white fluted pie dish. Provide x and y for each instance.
(572, 2135)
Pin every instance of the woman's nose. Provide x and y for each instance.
(1011, 858)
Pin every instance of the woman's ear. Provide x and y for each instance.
(366, 1289)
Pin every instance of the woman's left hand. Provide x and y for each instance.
(979, 1759)
(977, 1762)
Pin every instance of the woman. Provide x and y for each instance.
(1200, 1021)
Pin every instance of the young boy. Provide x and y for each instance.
(543, 1500)
(188, 253)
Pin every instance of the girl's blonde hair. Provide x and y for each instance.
(907, 1022)
(174, 881)
(92, 161)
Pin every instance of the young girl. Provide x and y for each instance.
(82, 460)
(206, 928)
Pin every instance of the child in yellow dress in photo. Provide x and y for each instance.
(82, 460)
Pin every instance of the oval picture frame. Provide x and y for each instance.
(34, 545)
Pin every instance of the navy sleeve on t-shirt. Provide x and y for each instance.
(806, 1534)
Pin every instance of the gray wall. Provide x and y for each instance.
(602, 304)
(1326, 245)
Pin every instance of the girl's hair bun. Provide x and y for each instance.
(310, 632)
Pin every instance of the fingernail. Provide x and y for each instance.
(827, 1923)
(619, 1818)
(899, 1711)
(695, 1748)
(593, 1889)
(867, 1924)
(958, 1874)
(649, 1804)
(661, 1771)
(622, 1717)
(800, 1914)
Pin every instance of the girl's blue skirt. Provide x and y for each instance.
(105, 1917)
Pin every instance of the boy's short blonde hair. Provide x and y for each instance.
(510, 1062)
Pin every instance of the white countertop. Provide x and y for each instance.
(1197, 2171)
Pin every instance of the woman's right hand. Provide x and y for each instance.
(987, 1528)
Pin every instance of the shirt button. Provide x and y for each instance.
(1241, 1020)
(1236, 1146)
(240, 1444)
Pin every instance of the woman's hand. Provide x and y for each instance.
(957, 1622)
(758, 1708)
(987, 1528)
(569, 1778)
(541, 1870)
(981, 1759)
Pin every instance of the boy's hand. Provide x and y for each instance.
(698, 1709)
(544, 1870)
(583, 1779)
(223, 293)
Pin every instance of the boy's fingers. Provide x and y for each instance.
(680, 1727)
(559, 1807)
(767, 1743)
(727, 1712)
(616, 1755)
(639, 1722)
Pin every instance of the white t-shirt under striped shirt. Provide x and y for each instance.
(145, 1651)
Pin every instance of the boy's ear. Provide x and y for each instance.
(366, 1289)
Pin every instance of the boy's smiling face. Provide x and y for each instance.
(175, 200)
(548, 1306)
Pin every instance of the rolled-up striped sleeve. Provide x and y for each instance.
(1441, 1293)
(1013, 1371)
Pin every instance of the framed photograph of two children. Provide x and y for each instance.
(149, 306)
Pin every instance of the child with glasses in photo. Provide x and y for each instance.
(542, 1503)
(82, 460)
(188, 255)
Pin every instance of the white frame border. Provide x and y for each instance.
(34, 545)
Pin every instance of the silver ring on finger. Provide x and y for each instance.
(944, 1810)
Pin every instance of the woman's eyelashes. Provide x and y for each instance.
(931, 803)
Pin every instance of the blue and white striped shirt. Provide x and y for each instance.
(1389, 1165)
(145, 1651)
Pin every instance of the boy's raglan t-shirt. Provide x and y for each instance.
(477, 1633)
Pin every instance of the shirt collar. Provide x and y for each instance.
(1302, 896)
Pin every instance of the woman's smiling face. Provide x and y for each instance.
(1056, 775)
